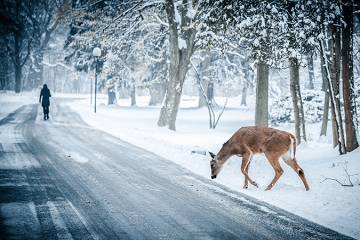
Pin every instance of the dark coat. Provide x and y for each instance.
(45, 93)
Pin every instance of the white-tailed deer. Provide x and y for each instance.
(248, 141)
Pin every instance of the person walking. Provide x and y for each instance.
(45, 94)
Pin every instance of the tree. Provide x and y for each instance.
(182, 46)
(310, 66)
(33, 22)
(8, 26)
(300, 132)
(18, 41)
(295, 49)
(348, 76)
(262, 84)
(335, 49)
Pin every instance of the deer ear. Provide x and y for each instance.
(212, 155)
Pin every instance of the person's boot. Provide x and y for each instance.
(44, 117)
(47, 115)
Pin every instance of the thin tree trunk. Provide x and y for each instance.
(325, 88)
(335, 51)
(262, 86)
(348, 77)
(17, 64)
(210, 93)
(243, 96)
(245, 83)
(325, 119)
(17, 79)
(133, 95)
(310, 65)
(297, 100)
(204, 70)
(335, 116)
(111, 96)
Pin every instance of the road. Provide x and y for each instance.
(62, 179)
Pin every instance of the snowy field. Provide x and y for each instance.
(327, 203)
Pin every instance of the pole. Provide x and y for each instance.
(96, 67)
(90, 91)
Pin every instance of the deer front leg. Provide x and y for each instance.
(245, 170)
(274, 161)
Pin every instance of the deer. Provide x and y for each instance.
(271, 142)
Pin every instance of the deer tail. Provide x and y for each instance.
(292, 147)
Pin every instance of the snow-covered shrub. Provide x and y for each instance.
(281, 110)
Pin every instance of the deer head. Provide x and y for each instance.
(215, 166)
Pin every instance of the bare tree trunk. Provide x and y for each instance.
(333, 96)
(245, 83)
(17, 63)
(204, 70)
(325, 88)
(325, 119)
(205, 84)
(179, 61)
(18, 78)
(297, 101)
(348, 77)
(262, 86)
(133, 95)
(210, 93)
(335, 52)
(243, 96)
(111, 96)
(310, 65)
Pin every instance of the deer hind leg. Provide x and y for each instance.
(245, 170)
(274, 161)
(300, 172)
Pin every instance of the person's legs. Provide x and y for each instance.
(44, 110)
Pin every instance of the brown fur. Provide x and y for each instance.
(248, 141)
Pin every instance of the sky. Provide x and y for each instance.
(326, 203)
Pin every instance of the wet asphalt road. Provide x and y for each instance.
(62, 179)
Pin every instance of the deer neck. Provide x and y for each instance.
(224, 154)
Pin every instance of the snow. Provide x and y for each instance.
(182, 43)
(327, 203)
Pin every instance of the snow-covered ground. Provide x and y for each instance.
(327, 203)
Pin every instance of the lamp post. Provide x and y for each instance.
(96, 53)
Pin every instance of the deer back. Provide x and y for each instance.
(259, 139)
